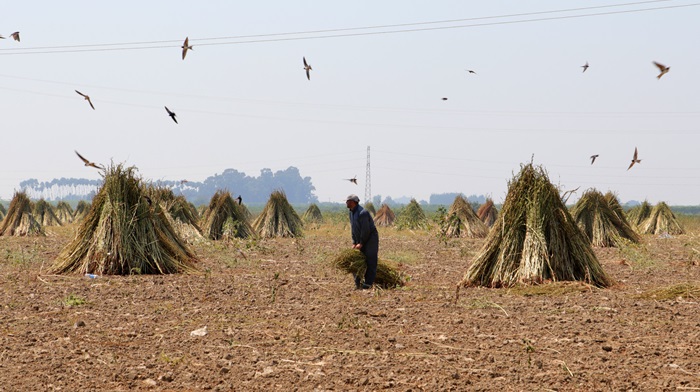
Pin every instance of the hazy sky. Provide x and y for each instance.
(249, 105)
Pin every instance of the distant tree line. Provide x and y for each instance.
(253, 190)
(448, 198)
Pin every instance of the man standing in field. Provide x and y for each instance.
(365, 239)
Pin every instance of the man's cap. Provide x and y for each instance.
(354, 198)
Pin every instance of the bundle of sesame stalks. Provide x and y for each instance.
(353, 261)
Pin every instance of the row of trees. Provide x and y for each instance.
(254, 190)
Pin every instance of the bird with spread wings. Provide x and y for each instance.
(88, 163)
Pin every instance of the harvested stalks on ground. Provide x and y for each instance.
(353, 261)
(688, 291)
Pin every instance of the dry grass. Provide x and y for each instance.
(684, 290)
(551, 289)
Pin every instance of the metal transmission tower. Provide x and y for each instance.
(368, 181)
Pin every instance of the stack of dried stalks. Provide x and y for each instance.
(225, 219)
(3, 211)
(661, 221)
(534, 240)
(385, 216)
(81, 210)
(488, 213)
(312, 215)
(412, 217)
(597, 218)
(461, 221)
(615, 206)
(125, 233)
(44, 214)
(353, 261)
(639, 214)
(182, 214)
(64, 212)
(278, 218)
(19, 220)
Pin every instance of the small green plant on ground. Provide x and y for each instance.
(636, 254)
(74, 300)
(402, 257)
(529, 349)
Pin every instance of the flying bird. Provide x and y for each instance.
(353, 180)
(185, 47)
(182, 182)
(307, 68)
(240, 200)
(15, 36)
(444, 98)
(171, 114)
(1, 37)
(88, 163)
(634, 159)
(593, 157)
(664, 69)
(471, 71)
(87, 98)
(585, 66)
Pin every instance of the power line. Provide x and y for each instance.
(400, 127)
(514, 113)
(341, 29)
(237, 39)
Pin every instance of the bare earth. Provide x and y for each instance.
(283, 319)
